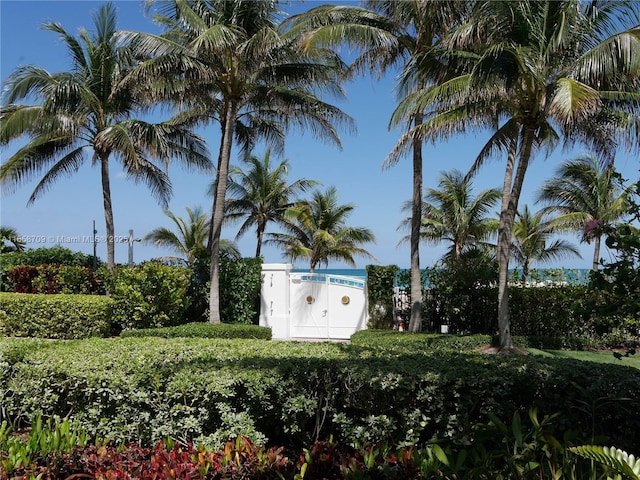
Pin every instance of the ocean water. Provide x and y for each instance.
(572, 276)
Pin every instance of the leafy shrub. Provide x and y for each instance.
(294, 393)
(55, 316)
(78, 279)
(240, 282)
(203, 330)
(52, 278)
(521, 449)
(54, 255)
(458, 297)
(20, 279)
(380, 290)
(149, 295)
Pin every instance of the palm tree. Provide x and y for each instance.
(261, 194)
(87, 112)
(530, 241)
(318, 231)
(10, 235)
(402, 34)
(542, 71)
(232, 65)
(189, 242)
(453, 215)
(585, 191)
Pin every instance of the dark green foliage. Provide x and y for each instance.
(460, 294)
(380, 289)
(54, 316)
(203, 330)
(149, 295)
(289, 393)
(240, 282)
(57, 254)
(549, 312)
(198, 290)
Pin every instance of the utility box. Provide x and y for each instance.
(306, 305)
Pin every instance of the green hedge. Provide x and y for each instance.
(291, 393)
(54, 316)
(240, 282)
(423, 342)
(380, 290)
(203, 330)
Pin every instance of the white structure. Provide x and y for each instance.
(303, 305)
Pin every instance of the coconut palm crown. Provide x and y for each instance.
(453, 215)
(532, 241)
(261, 195)
(318, 231)
(585, 192)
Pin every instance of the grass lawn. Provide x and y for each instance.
(599, 357)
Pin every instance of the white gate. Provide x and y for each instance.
(303, 305)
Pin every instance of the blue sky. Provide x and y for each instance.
(66, 212)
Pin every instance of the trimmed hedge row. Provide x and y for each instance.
(55, 316)
(424, 342)
(289, 393)
(203, 330)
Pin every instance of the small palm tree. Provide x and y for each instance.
(261, 194)
(318, 231)
(88, 112)
(531, 241)
(189, 241)
(585, 193)
(10, 236)
(451, 214)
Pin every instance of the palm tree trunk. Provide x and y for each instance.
(108, 210)
(510, 198)
(596, 253)
(503, 250)
(415, 322)
(217, 215)
(260, 234)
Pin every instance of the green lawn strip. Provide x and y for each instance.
(599, 357)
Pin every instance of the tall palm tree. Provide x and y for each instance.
(394, 34)
(88, 112)
(318, 231)
(452, 214)
(261, 194)
(531, 241)
(10, 235)
(542, 71)
(585, 191)
(233, 65)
